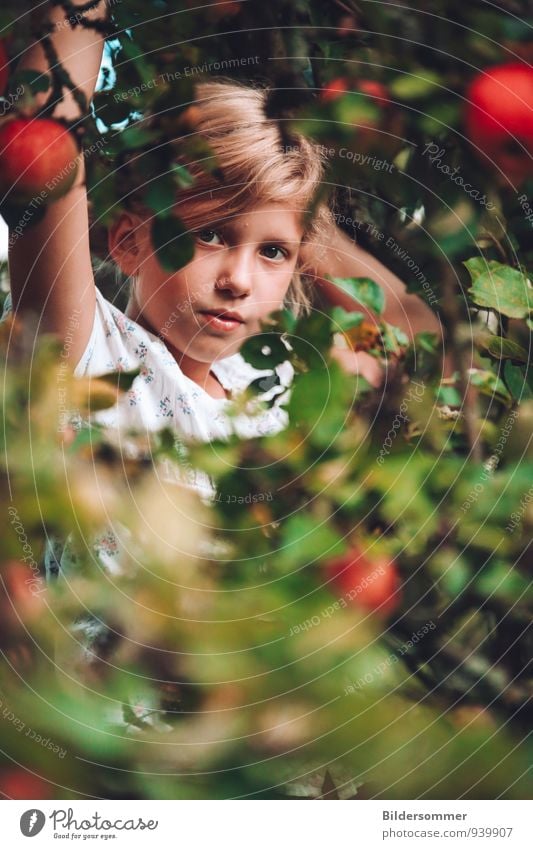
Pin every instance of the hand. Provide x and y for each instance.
(359, 362)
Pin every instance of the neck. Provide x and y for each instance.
(199, 372)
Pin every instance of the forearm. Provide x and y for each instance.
(343, 258)
(78, 49)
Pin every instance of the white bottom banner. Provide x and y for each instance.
(267, 824)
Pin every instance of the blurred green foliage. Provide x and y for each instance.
(224, 672)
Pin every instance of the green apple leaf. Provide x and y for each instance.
(364, 290)
(517, 382)
(504, 349)
(344, 320)
(174, 245)
(499, 287)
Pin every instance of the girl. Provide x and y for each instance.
(184, 330)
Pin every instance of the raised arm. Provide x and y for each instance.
(50, 262)
(343, 258)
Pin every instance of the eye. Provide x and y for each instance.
(274, 252)
(209, 237)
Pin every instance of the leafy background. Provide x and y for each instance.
(225, 672)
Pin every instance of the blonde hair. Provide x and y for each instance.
(255, 167)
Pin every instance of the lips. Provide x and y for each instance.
(222, 321)
(225, 315)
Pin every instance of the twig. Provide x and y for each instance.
(344, 8)
(73, 9)
(60, 77)
(451, 319)
(75, 16)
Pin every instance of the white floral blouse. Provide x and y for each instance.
(163, 396)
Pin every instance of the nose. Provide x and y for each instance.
(236, 272)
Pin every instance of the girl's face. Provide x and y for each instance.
(242, 265)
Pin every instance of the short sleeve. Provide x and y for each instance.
(111, 345)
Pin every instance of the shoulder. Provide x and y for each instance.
(117, 343)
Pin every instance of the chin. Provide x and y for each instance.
(210, 353)
(228, 350)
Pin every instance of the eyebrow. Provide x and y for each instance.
(288, 243)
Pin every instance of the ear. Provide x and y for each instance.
(125, 241)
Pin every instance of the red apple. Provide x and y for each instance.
(17, 783)
(347, 25)
(499, 118)
(21, 598)
(38, 159)
(340, 85)
(335, 89)
(370, 583)
(21, 592)
(374, 89)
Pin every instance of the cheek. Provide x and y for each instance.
(284, 286)
(278, 283)
(273, 292)
(160, 297)
(178, 290)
